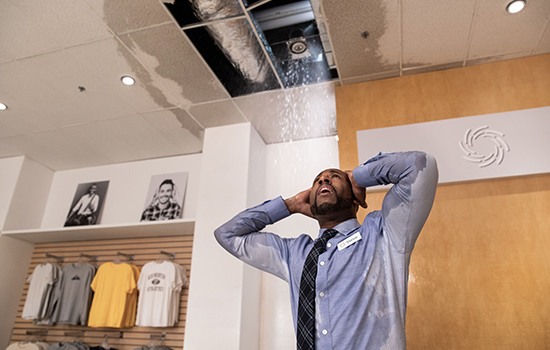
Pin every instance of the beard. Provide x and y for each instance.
(329, 208)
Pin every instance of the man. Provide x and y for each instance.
(84, 212)
(163, 206)
(361, 279)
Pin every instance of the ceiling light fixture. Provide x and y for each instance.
(127, 80)
(515, 6)
(3, 107)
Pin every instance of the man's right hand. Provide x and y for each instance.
(299, 203)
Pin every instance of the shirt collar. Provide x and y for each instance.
(344, 228)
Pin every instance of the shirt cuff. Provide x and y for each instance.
(277, 209)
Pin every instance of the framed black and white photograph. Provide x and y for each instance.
(165, 197)
(87, 203)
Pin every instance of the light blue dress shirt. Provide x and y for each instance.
(362, 278)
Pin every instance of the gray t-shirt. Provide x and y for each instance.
(74, 295)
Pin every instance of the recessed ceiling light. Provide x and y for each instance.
(3, 107)
(126, 80)
(515, 6)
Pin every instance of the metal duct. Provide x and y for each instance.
(235, 38)
(285, 15)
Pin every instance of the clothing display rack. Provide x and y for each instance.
(161, 336)
(58, 259)
(136, 251)
(127, 256)
(89, 257)
(171, 255)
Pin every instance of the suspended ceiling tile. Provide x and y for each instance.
(63, 149)
(126, 15)
(31, 92)
(166, 51)
(544, 43)
(7, 128)
(109, 60)
(179, 128)
(354, 55)
(45, 147)
(70, 22)
(19, 36)
(437, 33)
(6, 150)
(18, 119)
(217, 113)
(122, 139)
(497, 32)
(65, 75)
(292, 114)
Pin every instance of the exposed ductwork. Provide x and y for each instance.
(273, 46)
(234, 37)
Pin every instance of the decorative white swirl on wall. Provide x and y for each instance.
(484, 160)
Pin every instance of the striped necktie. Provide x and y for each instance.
(305, 330)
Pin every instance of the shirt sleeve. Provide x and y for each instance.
(242, 238)
(407, 204)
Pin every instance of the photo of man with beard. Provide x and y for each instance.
(163, 206)
(348, 287)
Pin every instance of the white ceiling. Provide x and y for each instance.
(49, 49)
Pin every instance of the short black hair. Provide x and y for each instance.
(167, 182)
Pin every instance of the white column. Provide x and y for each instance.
(24, 189)
(223, 309)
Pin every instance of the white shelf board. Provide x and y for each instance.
(178, 227)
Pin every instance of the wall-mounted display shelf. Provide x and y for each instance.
(176, 227)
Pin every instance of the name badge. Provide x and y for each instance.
(349, 241)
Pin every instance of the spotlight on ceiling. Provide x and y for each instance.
(127, 80)
(3, 107)
(515, 6)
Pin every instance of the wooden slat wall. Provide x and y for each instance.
(144, 251)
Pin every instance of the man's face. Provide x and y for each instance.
(93, 189)
(165, 193)
(331, 192)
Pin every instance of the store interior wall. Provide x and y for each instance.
(480, 272)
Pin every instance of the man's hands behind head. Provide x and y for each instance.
(360, 193)
(299, 203)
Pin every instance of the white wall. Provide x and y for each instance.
(30, 196)
(10, 169)
(24, 188)
(127, 192)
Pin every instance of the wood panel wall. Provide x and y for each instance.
(144, 250)
(480, 272)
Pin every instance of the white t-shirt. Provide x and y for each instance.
(26, 346)
(159, 284)
(41, 277)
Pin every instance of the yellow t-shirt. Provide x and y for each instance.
(112, 284)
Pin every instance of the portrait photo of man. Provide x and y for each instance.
(165, 197)
(87, 203)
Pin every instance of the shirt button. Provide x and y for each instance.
(322, 263)
(325, 332)
(329, 245)
(321, 294)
